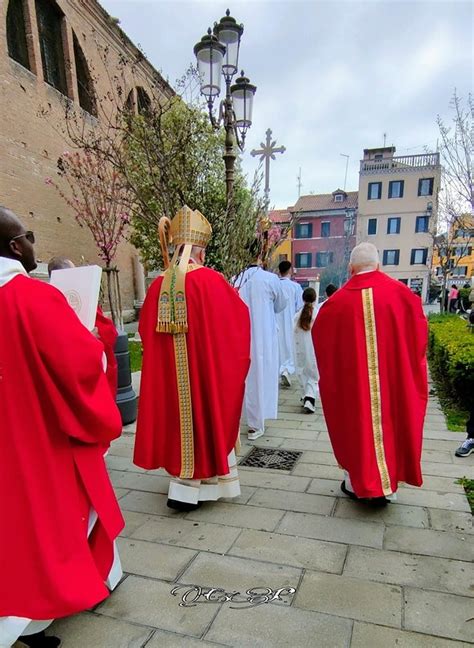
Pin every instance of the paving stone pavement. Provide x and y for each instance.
(403, 576)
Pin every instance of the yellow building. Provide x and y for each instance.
(281, 218)
(461, 246)
(398, 201)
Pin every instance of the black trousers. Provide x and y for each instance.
(470, 423)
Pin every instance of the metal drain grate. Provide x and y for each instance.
(271, 458)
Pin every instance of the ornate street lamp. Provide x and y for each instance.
(217, 54)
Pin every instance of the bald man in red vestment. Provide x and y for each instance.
(195, 331)
(370, 341)
(59, 515)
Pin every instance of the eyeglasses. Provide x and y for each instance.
(29, 235)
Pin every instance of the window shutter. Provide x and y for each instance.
(16, 33)
(397, 257)
(412, 259)
(51, 42)
(425, 255)
(399, 220)
(385, 257)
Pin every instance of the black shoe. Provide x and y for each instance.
(347, 492)
(465, 449)
(376, 502)
(182, 506)
(40, 640)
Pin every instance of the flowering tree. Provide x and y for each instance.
(99, 199)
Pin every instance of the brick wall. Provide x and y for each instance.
(30, 144)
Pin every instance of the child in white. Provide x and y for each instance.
(305, 359)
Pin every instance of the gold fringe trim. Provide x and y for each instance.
(374, 385)
(171, 327)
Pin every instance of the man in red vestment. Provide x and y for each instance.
(195, 331)
(105, 329)
(370, 341)
(59, 515)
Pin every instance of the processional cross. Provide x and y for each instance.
(267, 153)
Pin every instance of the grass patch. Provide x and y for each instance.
(468, 485)
(455, 418)
(136, 356)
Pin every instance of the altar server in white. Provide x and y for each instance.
(306, 368)
(262, 292)
(293, 293)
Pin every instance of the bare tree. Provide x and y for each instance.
(455, 226)
(99, 200)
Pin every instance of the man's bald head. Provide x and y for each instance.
(59, 263)
(14, 242)
(364, 258)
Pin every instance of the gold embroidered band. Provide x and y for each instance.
(188, 228)
(374, 385)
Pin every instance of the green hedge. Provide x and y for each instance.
(451, 356)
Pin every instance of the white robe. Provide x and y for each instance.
(306, 368)
(212, 489)
(262, 292)
(294, 295)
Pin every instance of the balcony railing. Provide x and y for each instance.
(401, 162)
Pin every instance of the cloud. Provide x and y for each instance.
(332, 77)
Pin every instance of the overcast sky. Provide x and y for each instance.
(332, 76)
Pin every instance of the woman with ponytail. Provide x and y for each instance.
(306, 368)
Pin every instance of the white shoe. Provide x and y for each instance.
(252, 435)
(308, 407)
(285, 379)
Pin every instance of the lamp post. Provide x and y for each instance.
(217, 55)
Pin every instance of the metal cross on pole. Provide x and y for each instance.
(267, 153)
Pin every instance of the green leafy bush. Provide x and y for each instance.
(451, 356)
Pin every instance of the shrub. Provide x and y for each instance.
(451, 355)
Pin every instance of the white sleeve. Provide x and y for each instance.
(279, 301)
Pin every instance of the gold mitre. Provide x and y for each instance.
(190, 227)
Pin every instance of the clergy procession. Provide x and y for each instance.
(215, 354)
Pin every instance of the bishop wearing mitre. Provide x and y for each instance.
(195, 331)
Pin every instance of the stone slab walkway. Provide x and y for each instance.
(403, 576)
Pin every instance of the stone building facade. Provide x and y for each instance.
(398, 211)
(52, 51)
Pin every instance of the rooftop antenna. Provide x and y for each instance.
(347, 165)
(299, 184)
(384, 140)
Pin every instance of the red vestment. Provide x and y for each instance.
(370, 341)
(108, 336)
(56, 414)
(218, 357)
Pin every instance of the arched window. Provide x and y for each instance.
(130, 103)
(50, 26)
(138, 101)
(85, 86)
(16, 33)
(143, 101)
